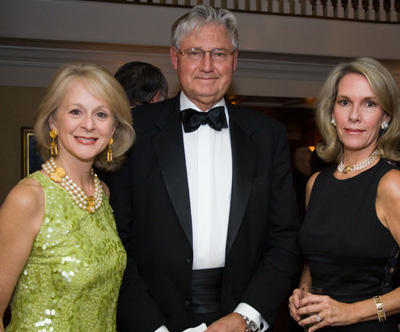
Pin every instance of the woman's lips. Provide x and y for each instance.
(86, 140)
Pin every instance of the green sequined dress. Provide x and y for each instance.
(73, 274)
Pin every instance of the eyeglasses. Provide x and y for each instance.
(196, 54)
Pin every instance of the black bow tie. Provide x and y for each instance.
(215, 118)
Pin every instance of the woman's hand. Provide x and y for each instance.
(294, 304)
(320, 310)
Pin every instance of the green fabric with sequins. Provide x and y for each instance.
(73, 274)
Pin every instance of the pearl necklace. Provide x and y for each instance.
(372, 157)
(58, 175)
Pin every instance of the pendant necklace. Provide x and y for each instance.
(371, 158)
(58, 175)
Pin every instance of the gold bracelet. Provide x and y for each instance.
(380, 309)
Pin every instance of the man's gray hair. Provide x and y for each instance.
(202, 15)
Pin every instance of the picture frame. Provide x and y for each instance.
(31, 159)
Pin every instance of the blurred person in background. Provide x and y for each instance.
(143, 83)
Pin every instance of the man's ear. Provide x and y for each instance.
(235, 58)
(174, 57)
(156, 97)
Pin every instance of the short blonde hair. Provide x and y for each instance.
(386, 92)
(99, 82)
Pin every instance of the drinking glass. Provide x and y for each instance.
(304, 293)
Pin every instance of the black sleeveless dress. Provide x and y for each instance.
(345, 244)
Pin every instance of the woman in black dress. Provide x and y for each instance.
(351, 230)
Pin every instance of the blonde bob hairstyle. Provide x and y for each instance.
(387, 94)
(100, 83)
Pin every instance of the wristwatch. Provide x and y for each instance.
(250, 325)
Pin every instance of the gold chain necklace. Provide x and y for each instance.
(58, 175)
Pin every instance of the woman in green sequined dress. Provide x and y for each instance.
(61, 260)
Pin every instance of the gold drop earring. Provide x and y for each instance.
(109, 151)
(53, 145)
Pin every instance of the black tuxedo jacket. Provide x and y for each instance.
(150, 198)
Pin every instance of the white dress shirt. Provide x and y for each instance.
(208, 156)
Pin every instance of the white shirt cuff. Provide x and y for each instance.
(200, 328)
(162, 328)
(248, 311)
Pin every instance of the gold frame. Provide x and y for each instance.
(30, 156)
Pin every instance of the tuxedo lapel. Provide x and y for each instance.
(244, 155)
(168, 145)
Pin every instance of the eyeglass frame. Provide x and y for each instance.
(203, 52)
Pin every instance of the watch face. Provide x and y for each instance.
(252, 327)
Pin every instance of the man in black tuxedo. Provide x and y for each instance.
(204, 202)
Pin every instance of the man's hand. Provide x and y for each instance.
(230, 323)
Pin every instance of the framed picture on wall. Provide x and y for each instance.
(31, 160)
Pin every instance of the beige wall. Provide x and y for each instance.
(17, 109)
